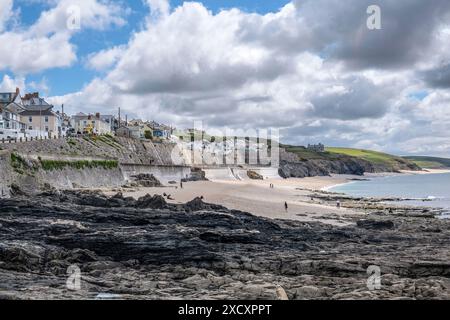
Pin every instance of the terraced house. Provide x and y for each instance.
(10, 107)
(91, 124)
(39, 117)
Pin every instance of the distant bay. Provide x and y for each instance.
(431, 190)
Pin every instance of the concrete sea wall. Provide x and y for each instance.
(5, 173)
(68, 178)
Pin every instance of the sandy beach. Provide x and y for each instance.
(427, 171)
(256, 196)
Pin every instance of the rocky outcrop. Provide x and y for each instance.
(145, 180)
(254, 175)
(291, 165)
(149, 249)
(197, 174)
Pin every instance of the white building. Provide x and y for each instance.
(10, 124)
(88, 123)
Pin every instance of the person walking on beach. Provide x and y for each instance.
(286, 206)
(181, 184)
(338, 204)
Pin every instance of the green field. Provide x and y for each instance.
(430, 162)
(369, 155)
(305, 154)
(375, 157)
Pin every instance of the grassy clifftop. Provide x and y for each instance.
(372, 160)
(430, 162)
(376, 158)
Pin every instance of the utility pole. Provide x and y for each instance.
(119, 117)
(40, 122)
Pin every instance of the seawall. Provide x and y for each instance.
(68, 178)
(5, 173)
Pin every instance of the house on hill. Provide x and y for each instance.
(160, 130)
(88, 123)
(39, 117)
(316, 147)
(10, 107)
(136, 129)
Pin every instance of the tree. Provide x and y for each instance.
(148, 135)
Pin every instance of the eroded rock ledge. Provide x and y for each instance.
(149, 249)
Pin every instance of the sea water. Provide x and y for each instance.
(430, 190)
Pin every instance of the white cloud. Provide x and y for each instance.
(6, 12)
(47, 43)
(105, 59)
(9, 84)
(93, 14)
(311, 69)
(158, 7)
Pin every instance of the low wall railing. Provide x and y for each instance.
(27, 139)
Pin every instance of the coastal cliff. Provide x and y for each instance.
(87, 162)
(124, 150)
(107, 161)
(300, 162)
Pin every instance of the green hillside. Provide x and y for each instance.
(376, 158)
(305, 154)
(430, 162)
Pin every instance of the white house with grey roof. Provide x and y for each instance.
(10, 123)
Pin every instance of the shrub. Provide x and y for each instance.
(148, 134)
(49, 165)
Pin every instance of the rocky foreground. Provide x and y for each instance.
(148, 249)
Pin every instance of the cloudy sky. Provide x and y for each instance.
(311, 68)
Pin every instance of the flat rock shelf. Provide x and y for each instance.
(149, 249)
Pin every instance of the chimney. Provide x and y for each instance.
(17, 91)
(97, 115)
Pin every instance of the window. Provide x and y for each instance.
(30, 119)
(30, 128)
(46, 128)
(85, 122)
(46, 118)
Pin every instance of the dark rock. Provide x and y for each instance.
(15, 190)
(375, 224)
(153, 202)
(146, 180)
(254, 175)
(197, 204)
(149, 249)
(197, 174)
